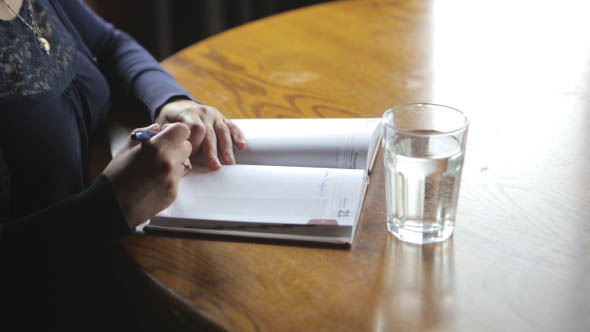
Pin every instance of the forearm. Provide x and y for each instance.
(130, 70)
(89, 220)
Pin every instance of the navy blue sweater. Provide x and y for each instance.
(50, 106)
(46, 133)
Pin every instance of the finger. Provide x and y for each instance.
(131, 143)
(188, 166)
(236, 133)
(170, 136)
(196, 126)
(224, 142)
(166, 125)
(209, 149)
(181, 160)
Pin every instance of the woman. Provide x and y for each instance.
(60, 66)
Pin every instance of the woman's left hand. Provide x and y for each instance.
(210, 130)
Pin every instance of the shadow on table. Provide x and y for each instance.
(243, 239)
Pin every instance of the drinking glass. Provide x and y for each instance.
(424, 147)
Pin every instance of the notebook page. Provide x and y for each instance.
(333, 143)
(269, 194)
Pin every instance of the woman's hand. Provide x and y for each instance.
(145, 175)
(210, 131)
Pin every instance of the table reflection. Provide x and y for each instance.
(416, 286)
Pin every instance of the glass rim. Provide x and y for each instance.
(409, 132)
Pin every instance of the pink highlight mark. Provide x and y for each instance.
(322, 222)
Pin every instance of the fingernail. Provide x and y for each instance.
(229, 158)
(215, 164)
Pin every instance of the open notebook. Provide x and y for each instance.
(298, 179)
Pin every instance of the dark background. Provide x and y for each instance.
(167, 26)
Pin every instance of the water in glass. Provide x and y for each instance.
(423, 172)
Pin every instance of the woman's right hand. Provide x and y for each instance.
(145, 175)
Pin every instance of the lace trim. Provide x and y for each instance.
(26, 71)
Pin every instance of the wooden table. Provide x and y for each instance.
(520, 256)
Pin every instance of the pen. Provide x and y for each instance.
(143, 135)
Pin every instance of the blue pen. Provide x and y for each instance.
(143, 135)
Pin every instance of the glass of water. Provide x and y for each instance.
(424, 146)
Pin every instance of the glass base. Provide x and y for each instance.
(419, 232)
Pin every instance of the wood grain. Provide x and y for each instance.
(519, 258)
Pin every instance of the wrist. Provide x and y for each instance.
(158, 113)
